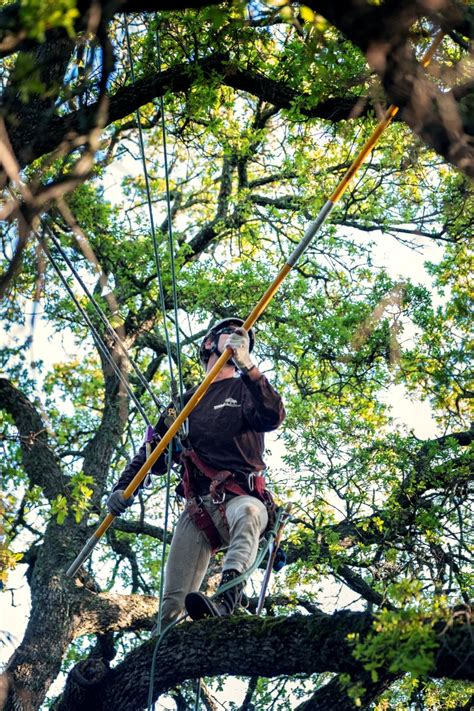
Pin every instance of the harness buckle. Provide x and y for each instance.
(216, 499)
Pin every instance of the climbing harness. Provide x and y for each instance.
(221, 482)
(257, 311)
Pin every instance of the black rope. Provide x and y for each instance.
(101, 314)
(150, 211)
(95, 334)
(161, 290)
(170, 232)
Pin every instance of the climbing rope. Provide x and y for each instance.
(108, 326)
(174, 386)
(153, 229)
(100, 344)
(95, 334)
(170, 230)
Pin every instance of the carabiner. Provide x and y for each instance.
(217, 501)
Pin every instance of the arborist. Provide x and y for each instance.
(227, 504)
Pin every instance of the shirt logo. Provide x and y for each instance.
(228, 402)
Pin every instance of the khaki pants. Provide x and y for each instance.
(190, 551)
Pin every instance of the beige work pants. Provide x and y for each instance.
(190, 551)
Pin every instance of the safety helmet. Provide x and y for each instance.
(214, 334)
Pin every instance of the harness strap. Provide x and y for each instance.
(202, 520)
(221, 481)
(198, 514)
(224, 480)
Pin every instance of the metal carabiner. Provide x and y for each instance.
(184, 430)
(219, 501)
(198, 502)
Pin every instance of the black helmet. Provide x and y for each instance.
(215, 332)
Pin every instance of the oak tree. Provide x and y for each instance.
(263, 107)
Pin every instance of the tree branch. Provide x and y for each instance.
(300, 644)
(39, 460)
(335, 695)
(141, 527)
(176, 79)
(110, 612)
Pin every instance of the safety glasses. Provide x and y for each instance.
(227, 329)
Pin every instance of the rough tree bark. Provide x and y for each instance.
(55, 600)
(251, 646)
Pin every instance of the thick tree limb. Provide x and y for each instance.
(176, 79)
(251, 646)
(356, 583)
(141, 527)
(382, 33)
(283, 96)
(334, 694)
(123, 103)
(39, 460)
(30, 671)
(105, 612)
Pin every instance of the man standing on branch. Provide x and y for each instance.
(227, 503)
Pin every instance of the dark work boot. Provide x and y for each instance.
(199, 606)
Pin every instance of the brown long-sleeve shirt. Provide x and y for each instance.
(226, 428)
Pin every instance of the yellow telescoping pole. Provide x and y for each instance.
(310, 233)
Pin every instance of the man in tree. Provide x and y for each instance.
(222, 481)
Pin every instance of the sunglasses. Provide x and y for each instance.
(227, 329)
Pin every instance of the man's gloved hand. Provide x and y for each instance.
(117, 504)
(240, 343)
